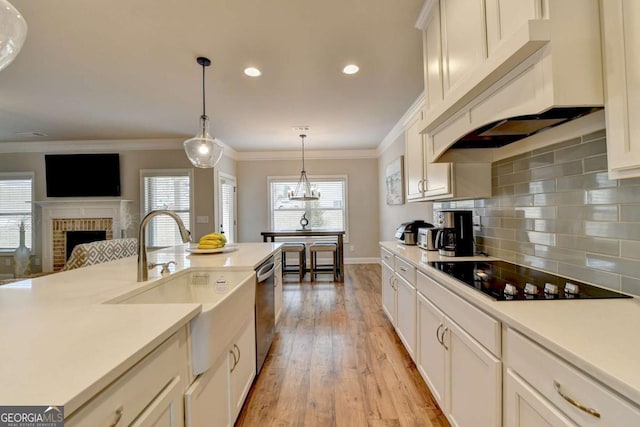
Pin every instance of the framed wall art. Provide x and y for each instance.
(394, 182)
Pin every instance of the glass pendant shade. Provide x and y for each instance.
(203, 151)
(304, 190)
(13, 32)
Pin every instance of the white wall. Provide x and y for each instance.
(362, 195)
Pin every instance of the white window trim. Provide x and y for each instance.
(311, 178)
(168, 172)
(23, 175)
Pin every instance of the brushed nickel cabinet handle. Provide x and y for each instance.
(119, 412)
(444, 331)
(573, 402)
(235, 361)
(237, 348)
(438, 334)
(404, 270)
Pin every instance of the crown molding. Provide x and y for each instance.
(400, 126)
(308, 154)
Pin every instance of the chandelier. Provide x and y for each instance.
(203, 150)
(13, 32)
(304, 191)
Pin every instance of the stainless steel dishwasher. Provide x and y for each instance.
(265, 311)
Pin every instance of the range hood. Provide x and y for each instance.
(542, 92)
(502, 132)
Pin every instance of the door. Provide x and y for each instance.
(227, 202)
(166, 410)
(474, 388)
(414, 157)
(242, 368)
(431, 354)
(206, 400)
(406, 316)
(388, 293)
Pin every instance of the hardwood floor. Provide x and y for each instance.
(336, 361)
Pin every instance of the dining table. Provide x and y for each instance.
(311, 232)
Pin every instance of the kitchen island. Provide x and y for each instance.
(60, 344)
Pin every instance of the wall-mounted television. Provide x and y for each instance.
(82, 175)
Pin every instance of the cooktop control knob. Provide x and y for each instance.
(510, 289)
(551, 289)
(571, 288)
(530, 289)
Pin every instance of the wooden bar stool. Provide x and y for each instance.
(316, 268)
(301, 268)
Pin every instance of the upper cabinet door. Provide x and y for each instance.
(506, 17)
(433, 58)
(621, 38)
(413, 159)
(463, 39)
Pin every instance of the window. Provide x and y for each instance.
(16, 197)
(168, 190)
(329, 212)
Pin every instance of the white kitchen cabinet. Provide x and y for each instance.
(432, 56)
(463, 40)
(558, 387)
(277, 287)
(463, 375)
(525, 407)
(216, 397)
(621, 37)
(430, 358)
(436, 181)
(149, 394)
(389, 295)
(506, 17)
(406, 304)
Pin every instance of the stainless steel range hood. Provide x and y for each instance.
(502, 132)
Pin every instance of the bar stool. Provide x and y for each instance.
(294, 247)
(316, 268)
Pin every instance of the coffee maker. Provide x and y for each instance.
(455, 237)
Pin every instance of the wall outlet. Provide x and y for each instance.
(352, 248)
(204, 219)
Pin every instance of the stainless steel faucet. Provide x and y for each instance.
(143, 267)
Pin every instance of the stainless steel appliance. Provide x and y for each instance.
(504, 281)
(407, 233)
(455, 238)
(427, 238)
(265, 310)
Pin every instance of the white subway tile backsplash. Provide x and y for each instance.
(555, 208)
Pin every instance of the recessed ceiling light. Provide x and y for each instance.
(252, 72)
(351, 69)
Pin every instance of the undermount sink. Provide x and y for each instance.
(227, 297)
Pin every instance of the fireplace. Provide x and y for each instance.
(74, 238)
(59, 218)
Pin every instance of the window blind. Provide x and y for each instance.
(16, 197)
(168, 192)
(227, 189)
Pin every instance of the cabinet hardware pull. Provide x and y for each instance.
(420, 187)
(444, 331)
(438, 333)
(573, 402)
(237, 348)
(235, 361)
(404, 270)
(119, 412)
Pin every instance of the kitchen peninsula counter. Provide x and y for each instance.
(60, 343)
(596, 335)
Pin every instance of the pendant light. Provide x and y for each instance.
(203, 150)
(304, 191)
(13, 32)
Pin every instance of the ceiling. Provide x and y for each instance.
(124, 70)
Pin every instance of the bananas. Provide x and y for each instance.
(212, 241)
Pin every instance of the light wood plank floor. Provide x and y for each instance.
(336, 361)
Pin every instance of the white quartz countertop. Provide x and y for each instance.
(60, 343)
(598, 336)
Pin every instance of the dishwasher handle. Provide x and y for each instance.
(266, 271)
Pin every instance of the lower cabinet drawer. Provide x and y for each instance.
(584, 400)
(125, 399)
(406, 270)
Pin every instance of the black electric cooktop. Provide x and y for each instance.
(504, 281)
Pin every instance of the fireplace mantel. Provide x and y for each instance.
(114, 209)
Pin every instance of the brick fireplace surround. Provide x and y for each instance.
(60, 227)
(61, 216)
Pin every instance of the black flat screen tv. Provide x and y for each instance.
(82, 175)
